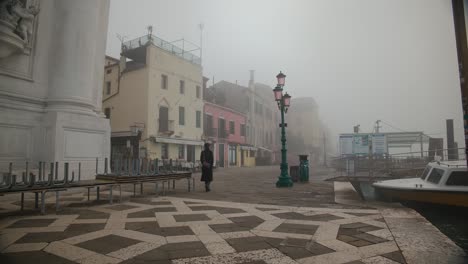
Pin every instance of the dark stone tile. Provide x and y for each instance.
(165, 209)
(296, 229)
(31, 223)
(141, 261)
(226, 228)
(108, 244)
(395, 256)
(354, 225)
(120, 207)
(265, 209)
(185, 250)
(88, 203)
(33, 256)
(191, 217)
(247, 221)
(295, 252)
(71, 231)
(295, 242)
(360, 243)
(346, 238)
(254, 262)
(368, 229)
(154, 229)
(360, 214)
(221, 210)
(355, 262)
(176, 231)
(291, 215)
(274, 242)
(188, 202)
(348, 232)
(248, 244)
(318, 249)
(323, 217)
(83, 213)
(71, 199)
(370, 238)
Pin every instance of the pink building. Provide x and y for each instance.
(225, 129)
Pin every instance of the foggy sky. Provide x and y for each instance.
(361, 60)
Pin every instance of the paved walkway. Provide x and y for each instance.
(241, 221)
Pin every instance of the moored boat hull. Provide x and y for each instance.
(450, 198)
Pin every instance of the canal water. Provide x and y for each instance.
(452, 221)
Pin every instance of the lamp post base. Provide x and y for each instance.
(284, 181)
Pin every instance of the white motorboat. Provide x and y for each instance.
(442, 182)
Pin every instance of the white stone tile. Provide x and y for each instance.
(142, 219)
(34, 229)
(64, 220)
(181, 206)
(376, 223)
(67, 251)
(202, 229)
(180, 239)
(166, 220)
(134, 250)
(239, 234)
(236, 215)
(326, 231)
(111, 225)
(25, 247)
(377, 249)
(206, 239)
(382, 233)
(98, 259)
(303, 222)
(283, 260)
(335, 258)
(280, 234)
(219, 248)
(269, 225)
(356, 219)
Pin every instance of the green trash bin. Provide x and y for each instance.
(303, 168)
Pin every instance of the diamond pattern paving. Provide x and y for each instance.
(176, 231)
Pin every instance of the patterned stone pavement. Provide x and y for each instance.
(186, 230)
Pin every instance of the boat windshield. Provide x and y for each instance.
(435, 175)
(426, 172)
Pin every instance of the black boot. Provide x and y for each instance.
(207, 187)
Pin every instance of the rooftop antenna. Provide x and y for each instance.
(377, 126)
(150, 31)
(201, 27)
(121, 39)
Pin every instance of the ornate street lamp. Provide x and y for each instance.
(284, 101)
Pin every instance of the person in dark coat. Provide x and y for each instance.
(207, 160)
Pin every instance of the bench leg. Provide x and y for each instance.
(89, 190)
(57, 201)
(134, 190)
(193, 184)
(97, 193)
(120, 193)
(36, 200)
(43, 203)
(22, 201)
(141, 188)
(110, 194)
(173, 184)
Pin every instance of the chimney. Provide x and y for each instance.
(252, 78)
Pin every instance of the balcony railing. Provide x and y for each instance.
(166, 127)
(165, 45)
(223, 133)
(211, 132)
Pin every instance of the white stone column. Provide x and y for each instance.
(77, 50)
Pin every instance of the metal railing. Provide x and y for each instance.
(165, 45)
(165, 126)
(399, 165)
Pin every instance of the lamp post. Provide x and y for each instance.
(284, 102)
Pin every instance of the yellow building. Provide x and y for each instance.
(154, 100)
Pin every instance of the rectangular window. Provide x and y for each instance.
(242, 130)
(182, 87)
(164, 151)
(109, 71)
(198, 91)
(198, 119)
(425, 172)
(232, 129)
(181, 151)
(458, 178)
(108, 88)
(209, 130)
(107, 112)
(221, 128)
(181, 115)
(163, 81)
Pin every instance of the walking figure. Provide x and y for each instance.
(206, 159)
